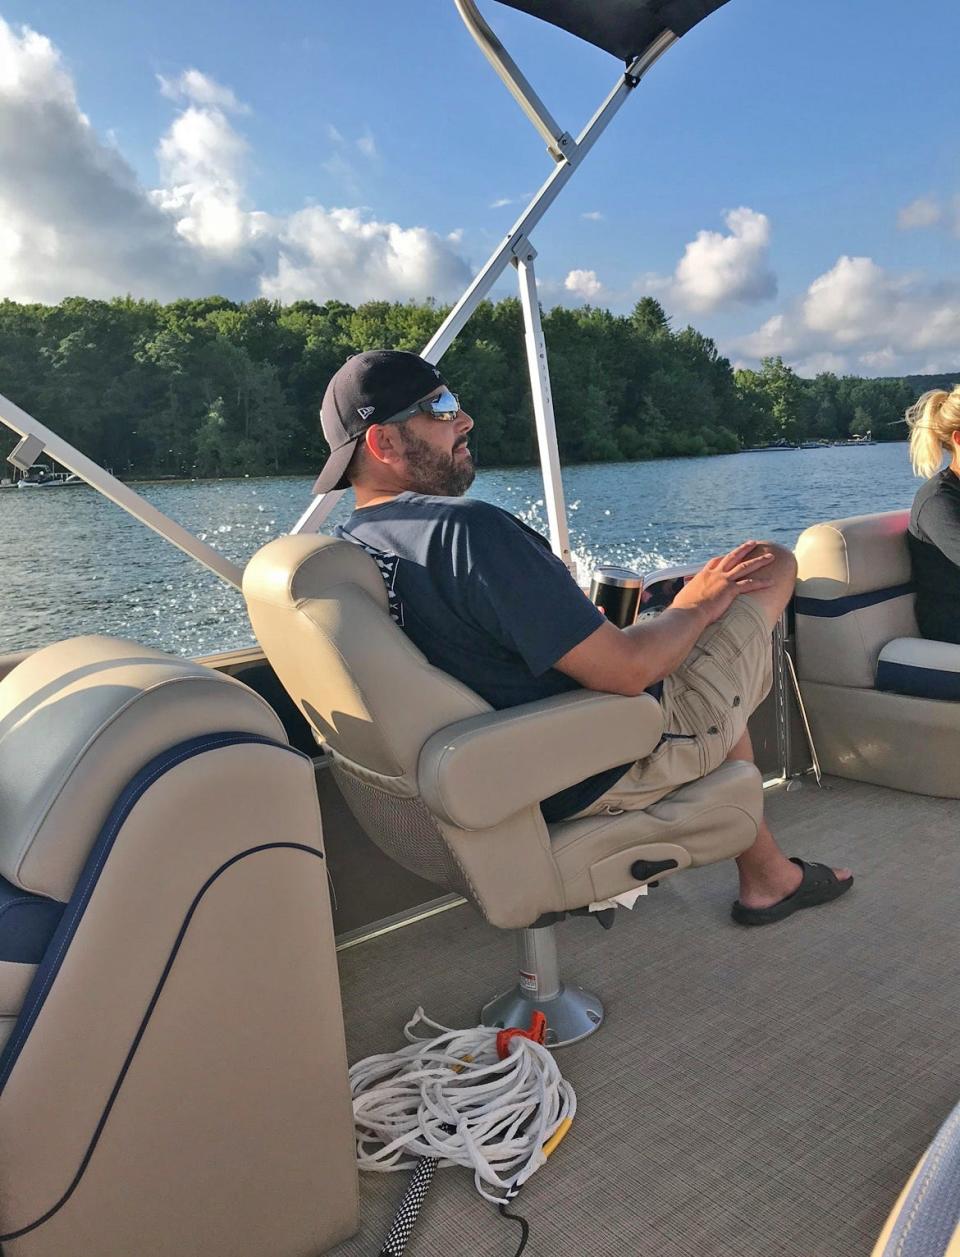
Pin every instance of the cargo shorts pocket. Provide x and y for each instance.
(712, 724)
(715, 679)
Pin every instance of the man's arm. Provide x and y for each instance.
(628, 661)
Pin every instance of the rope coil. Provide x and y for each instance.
(450, 1098)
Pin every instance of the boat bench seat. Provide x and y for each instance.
(171, 1079)
(874, 689)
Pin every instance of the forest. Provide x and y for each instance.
(210, 387)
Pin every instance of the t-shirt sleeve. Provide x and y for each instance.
(524, 595)
(939, 521)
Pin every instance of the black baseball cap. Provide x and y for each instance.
(369, 388)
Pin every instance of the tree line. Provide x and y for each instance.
(212, 387)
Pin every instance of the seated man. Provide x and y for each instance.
(486, 600)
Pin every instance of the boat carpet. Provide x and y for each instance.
(752, 1093)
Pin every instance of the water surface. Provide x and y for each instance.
(75, 563)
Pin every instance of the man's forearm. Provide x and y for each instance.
(665, 642)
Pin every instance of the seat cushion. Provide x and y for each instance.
(920, 668)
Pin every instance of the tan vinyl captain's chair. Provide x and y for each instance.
(450, 788)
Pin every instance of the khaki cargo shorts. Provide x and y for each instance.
(706, 703)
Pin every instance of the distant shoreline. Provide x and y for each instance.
(503, 467)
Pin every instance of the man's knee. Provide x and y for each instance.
(782, 575)
(783, 569)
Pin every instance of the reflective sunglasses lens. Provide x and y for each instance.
(444, 406)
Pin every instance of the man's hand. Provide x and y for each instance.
(723, 579)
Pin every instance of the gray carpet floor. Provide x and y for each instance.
(752, 1093)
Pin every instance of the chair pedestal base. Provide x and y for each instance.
(571, 1012)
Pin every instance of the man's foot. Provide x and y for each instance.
(806, 885)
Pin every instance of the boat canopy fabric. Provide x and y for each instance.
(624, 28)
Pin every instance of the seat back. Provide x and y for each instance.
(320, 611)
(78, 720)
(854, 594)
(174, 1077)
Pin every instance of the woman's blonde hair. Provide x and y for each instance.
(933, 420)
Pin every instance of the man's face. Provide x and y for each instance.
(436, 458)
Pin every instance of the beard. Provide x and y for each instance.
(436, 474)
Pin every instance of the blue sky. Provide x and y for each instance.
(786, 178)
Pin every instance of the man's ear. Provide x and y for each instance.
(382, 443)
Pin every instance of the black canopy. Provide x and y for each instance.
(624, 28)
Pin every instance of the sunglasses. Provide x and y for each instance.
(444, 407)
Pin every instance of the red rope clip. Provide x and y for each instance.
(537, 1032)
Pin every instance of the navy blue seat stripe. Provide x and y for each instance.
(830, 608)
(158, 991)
(905, 678)
(50, 965)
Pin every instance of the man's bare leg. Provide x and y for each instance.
(766, 874)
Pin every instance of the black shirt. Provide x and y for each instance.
(486, 600)
(934, 541)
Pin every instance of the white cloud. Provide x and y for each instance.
(199, 89)
(343, 253)
(719, 270)
(584, 284)
(501, 201)
(593, 216)
(924, 212)
(75, 220)
(865, 319)
(367, 144)
(202, 162)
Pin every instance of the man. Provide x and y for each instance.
(486, 600)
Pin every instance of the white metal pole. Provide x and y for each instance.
(543, 405)
(317, 511)
(556, 138)
(118, 492)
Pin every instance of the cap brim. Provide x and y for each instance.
(334, 471)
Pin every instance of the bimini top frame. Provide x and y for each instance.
(636, 31)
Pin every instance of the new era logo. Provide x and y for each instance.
(365, 411)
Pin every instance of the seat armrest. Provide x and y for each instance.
(479, 771)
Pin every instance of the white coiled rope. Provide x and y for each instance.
(451, 1098)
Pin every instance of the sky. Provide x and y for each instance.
(786, 178)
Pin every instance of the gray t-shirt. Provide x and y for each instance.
(486, 600)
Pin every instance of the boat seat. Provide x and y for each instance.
(920, 667)
(173, 1075)
(450, 788)
(874, 689)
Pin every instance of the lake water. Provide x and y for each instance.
(74, 563)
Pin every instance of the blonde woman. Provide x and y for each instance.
(934, 533)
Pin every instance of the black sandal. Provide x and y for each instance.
(819, 885)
